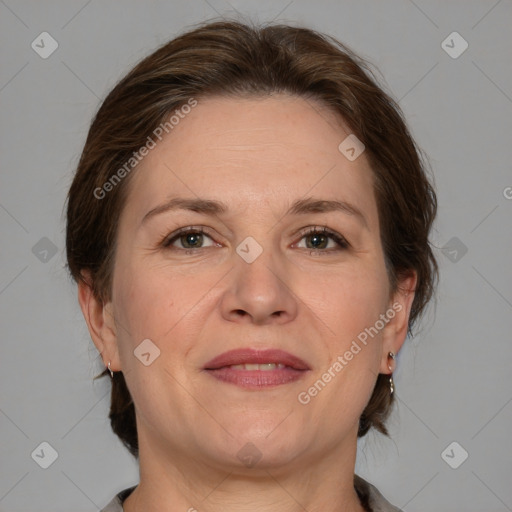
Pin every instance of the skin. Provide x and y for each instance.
(258, 156)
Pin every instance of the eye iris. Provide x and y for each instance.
(192, 239)
(315, 238)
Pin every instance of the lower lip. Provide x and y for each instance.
(257, 379)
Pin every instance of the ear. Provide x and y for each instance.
(395, 331)
(100, 321)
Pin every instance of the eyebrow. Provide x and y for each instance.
(299, 207)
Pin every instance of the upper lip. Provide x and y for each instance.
(252, 356)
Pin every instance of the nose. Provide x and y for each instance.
(259, 292)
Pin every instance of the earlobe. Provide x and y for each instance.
(100, 321)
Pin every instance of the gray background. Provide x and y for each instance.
(453, 379)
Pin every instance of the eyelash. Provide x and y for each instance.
(315, 230)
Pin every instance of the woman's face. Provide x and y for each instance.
(257, 278)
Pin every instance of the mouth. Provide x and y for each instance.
(256, 369)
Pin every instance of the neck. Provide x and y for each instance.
(177, 482)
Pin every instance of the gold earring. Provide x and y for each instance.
(391, 383)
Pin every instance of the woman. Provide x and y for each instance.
(248, 227)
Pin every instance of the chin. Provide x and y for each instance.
(266, 444)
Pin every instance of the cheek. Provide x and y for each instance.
(349, 303)
(160, 303)
(147, 306)
(348, 300)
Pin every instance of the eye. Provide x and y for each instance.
(318, 240)
(323, 239)
(189, 238)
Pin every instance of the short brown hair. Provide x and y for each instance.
(235, 59)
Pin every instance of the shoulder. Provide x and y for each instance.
(116, 504)
(113, 506)
(367, 491)
(370, 494)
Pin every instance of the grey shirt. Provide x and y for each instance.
(371, 499)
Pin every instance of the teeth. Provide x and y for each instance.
(262, 367)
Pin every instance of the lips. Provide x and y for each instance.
(256, 369)
(247, 356)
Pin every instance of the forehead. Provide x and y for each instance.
(245, 151)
